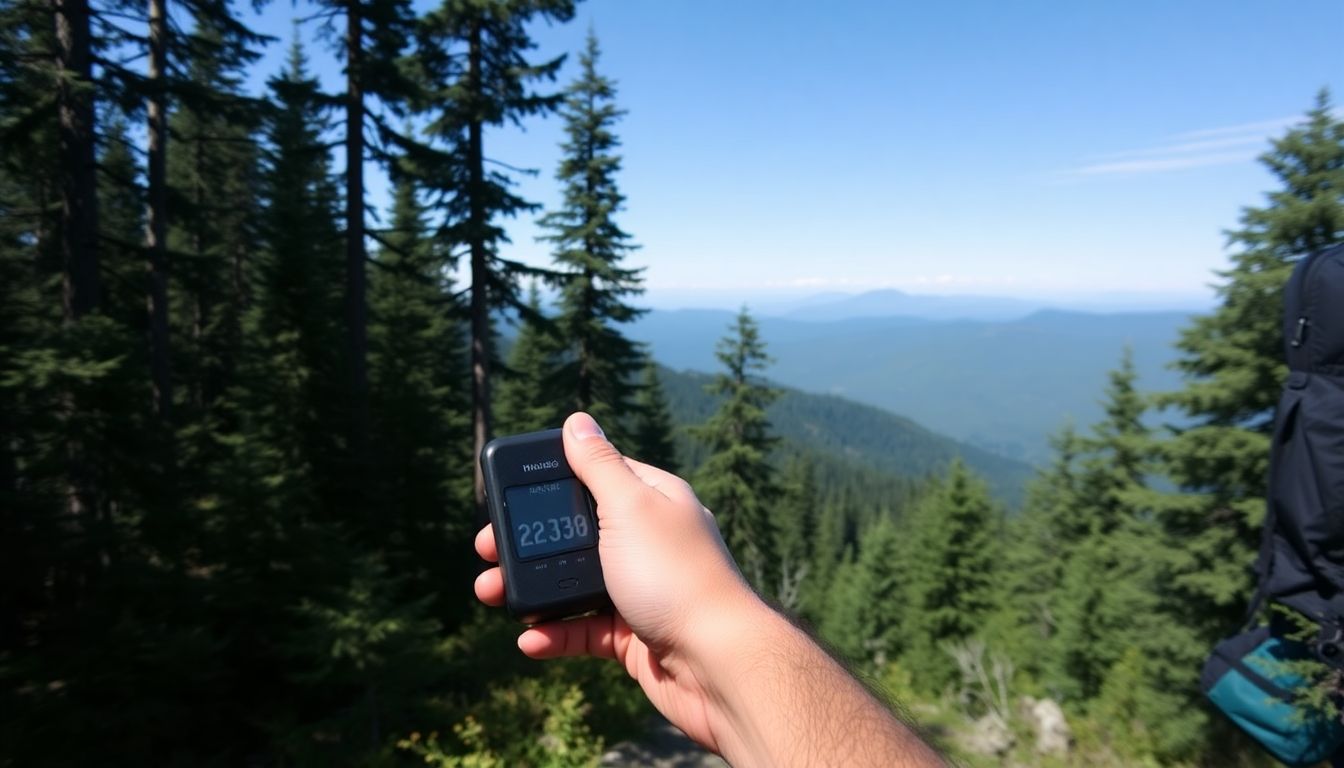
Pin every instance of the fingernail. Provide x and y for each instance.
(582, 426)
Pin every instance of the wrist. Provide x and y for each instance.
(736, 652)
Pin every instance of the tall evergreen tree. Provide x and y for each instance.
(418, 402)
(472, 60)
(953, 547)
(796, 525)
(212, 238)
(291, 382)
(528, 397)
(652, 429)
(1232, 360)
(1039, 542)
(599, 364)
(375, 34)
(737, 481)
(867, 600)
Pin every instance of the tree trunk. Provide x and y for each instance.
(79, 181)
(480, 277)
(81, 294)
(156, 241)
(356, 311)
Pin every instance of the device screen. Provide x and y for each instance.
(549, 517)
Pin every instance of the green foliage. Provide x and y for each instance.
(865, 616)
(953, 556)
(598, 364)
(652, 429)
(834, 431)
(1232, 360)
(737, 481)
(529, 397)
(536, 723)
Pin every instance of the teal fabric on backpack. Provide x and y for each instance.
(1247, 680)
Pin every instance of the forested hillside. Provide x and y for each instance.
(841, 433)
(240, 415)
(1002, 385)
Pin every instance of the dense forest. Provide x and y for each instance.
(239, 415)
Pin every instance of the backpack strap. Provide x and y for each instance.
(1265, 562)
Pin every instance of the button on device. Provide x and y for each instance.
(567, 583)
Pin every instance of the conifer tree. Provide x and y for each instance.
(652, 428)
(375, 34)
(1232, 360)
(1094, 561)
(868, 595)
(473, 67)
(828, 552)
(737, 481)
(293, 378)
(1039, 542)
(954, 550)
(418, 401)
(796, 524)
(599, 364)
(528, 398)
(211, 240)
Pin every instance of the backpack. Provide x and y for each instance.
(1301, 560)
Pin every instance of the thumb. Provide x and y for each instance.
(598, 464)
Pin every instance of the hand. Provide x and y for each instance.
(669, 575)
(713, 658)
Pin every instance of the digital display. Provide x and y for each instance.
(549, 517)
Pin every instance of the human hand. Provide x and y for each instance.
(679, 598)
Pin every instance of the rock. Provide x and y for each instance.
(664, 747)
(1053, 736)
(988, 736)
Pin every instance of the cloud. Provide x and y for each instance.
(1161, 164)
(1204, 148)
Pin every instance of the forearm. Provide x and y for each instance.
(782, 701)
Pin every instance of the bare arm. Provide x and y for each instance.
(709, 654)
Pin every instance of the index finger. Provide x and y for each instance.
(485, 544)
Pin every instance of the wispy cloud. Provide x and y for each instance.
(1223, 145)
(1161, 164)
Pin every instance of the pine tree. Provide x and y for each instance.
(737, 481)
(954, 547)
(474, 73)
(375, 35)
(828, 552)
(796, 524)
(529, 398)
(1090, 583)
(652, 429)
(418, 403)
(599, 363)
(1039, 542)
(294, 359)
(213, 175)
(865, 621)
(1232, 360)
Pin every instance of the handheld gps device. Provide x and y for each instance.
(545, 528)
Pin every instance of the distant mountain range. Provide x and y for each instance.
(893, 303)
(853, 435)
(1003, 386)
(888, 302)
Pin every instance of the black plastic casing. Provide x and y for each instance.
(555, 586)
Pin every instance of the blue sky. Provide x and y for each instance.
(1069, 151)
